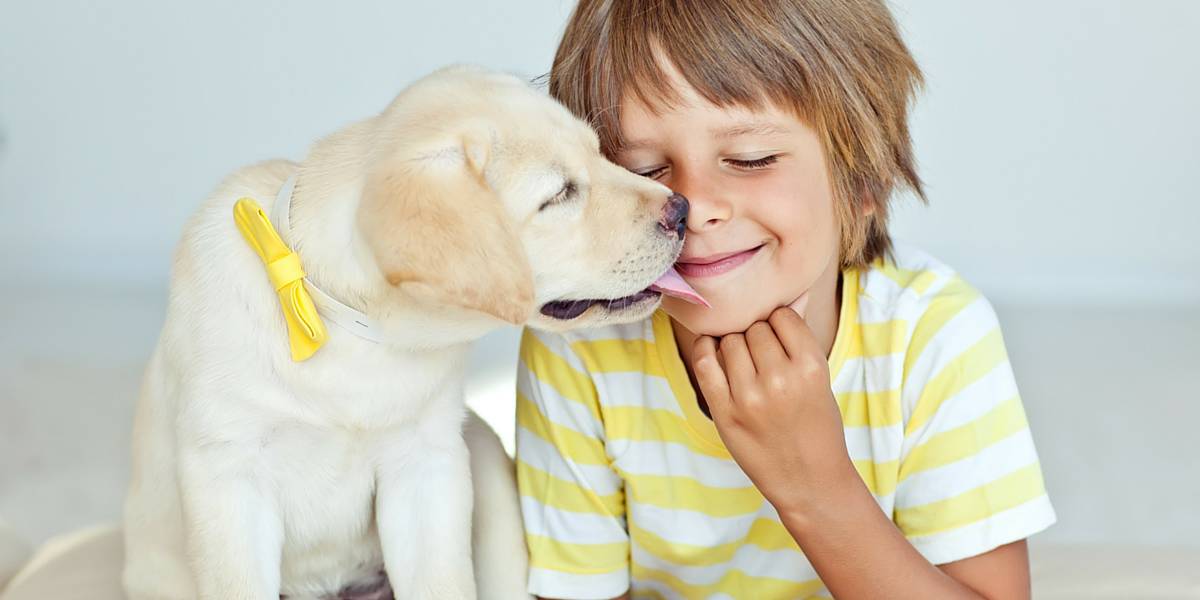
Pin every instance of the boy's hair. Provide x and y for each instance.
(839, 65)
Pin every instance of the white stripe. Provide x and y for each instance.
(559, 347)
(870, 374)
(876, 444)
(885, 291)
(638, 330)
(787, 565)
(571, 527)
(1014, 524)
(967, 405)
(548, 583)
(681, 526)
(693, 528)
(636, 389)
(988, 464)
(540, 454)
(965, 329)
(872, 310)
(883, 300)
(556, 408)
(649, 457)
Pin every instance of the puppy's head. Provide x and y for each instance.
(486, 195)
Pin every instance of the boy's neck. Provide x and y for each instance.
(822, 315)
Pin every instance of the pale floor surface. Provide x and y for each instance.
(1113, 397)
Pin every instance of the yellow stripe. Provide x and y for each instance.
(767, 534)
(685, 493)
(579, 559)
(566, 495)
(771, 535)
(580, 448)
(848, 318)
(879, 339)
(870, 409)
(617, 356)
(696, 556)
(966, 440)
(966, 368)
(735, 583)
(1007, 492)
(951, 300)
(879, 477)
(653, 594)
(553, 370)
(642, 424)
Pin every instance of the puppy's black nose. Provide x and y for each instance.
(674, 217)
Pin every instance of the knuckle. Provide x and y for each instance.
(809, 367)
(777, 384)
(750, 397)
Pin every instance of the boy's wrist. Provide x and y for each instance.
(822, 499)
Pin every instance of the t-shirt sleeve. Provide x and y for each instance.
(969, 477)
(572, 500)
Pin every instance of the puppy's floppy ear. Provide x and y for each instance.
(441, 234)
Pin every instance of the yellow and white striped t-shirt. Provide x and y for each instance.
(625, 484)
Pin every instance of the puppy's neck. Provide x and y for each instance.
(322, 213)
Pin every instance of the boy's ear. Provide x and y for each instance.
(441, 234)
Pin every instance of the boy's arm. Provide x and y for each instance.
(768, 390)
(859, 553)
(571, 499)
(1001, 573)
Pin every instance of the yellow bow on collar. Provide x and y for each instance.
(306, 333)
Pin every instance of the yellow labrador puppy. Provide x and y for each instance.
(472, 201)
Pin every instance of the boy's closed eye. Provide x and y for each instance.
(740, 163)
(753, 163)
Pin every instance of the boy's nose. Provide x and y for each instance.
(674, 216)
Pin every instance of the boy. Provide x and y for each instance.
(745, 450)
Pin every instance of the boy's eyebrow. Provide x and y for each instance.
(749, 128)
(635, 145)
(731, 131)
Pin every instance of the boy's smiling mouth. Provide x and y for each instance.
(715, 264)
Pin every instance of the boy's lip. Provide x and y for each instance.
(714, 264)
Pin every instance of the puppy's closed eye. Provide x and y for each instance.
(569, 191)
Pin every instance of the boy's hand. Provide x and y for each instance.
(769, 395)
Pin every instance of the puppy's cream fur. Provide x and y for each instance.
(468, 203)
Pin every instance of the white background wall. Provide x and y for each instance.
(1059, 141)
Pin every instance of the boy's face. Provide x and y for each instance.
(762, 229)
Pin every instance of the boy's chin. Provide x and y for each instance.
(723, 318)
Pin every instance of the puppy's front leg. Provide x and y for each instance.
(423, 512)
(234, 536)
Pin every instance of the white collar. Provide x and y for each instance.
(350, 319)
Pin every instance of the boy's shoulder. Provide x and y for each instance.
(909, 285)
(933, 321)
(593, 348)
(917, 307)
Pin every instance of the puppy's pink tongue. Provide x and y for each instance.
(672, 284)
